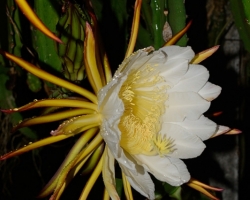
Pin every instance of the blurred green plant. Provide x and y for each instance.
(241, 14)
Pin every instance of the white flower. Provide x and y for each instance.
(152, 114)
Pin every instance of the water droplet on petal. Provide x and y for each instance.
(35, 100)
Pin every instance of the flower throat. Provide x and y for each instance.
(143, 95)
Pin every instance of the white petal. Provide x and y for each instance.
(155, 58)
(140, 60)
(181, 105)
(129, 61)
(195, 78)
(108, 99)
(210, 91)
(111, 135)
(186, 145)
(176, 52)
(108, 173)
(170, 170)
(173, 70)
(203, 128)
(141, 181)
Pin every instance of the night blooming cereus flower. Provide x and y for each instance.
(152, 115)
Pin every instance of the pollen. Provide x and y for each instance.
(144, 96)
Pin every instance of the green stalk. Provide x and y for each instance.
(158, 21)
(177, 19)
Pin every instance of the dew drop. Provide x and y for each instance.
(35, 100)
(30, 142)
(15, 109)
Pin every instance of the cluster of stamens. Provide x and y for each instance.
(144, 95)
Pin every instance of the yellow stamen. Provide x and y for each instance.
(163, 145)
(143, 95)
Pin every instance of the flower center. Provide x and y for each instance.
(143, 95)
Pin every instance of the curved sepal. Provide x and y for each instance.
(49, 77)
(204, 55)
(31, 146)
(203, 188)
(52, 117)
(32, 17)
(51, 103)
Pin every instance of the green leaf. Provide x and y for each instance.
(174, 192)
(34, 83)
(119, 186)
(177, 194)
(114, 24)
(7, 101)
(44, 46)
